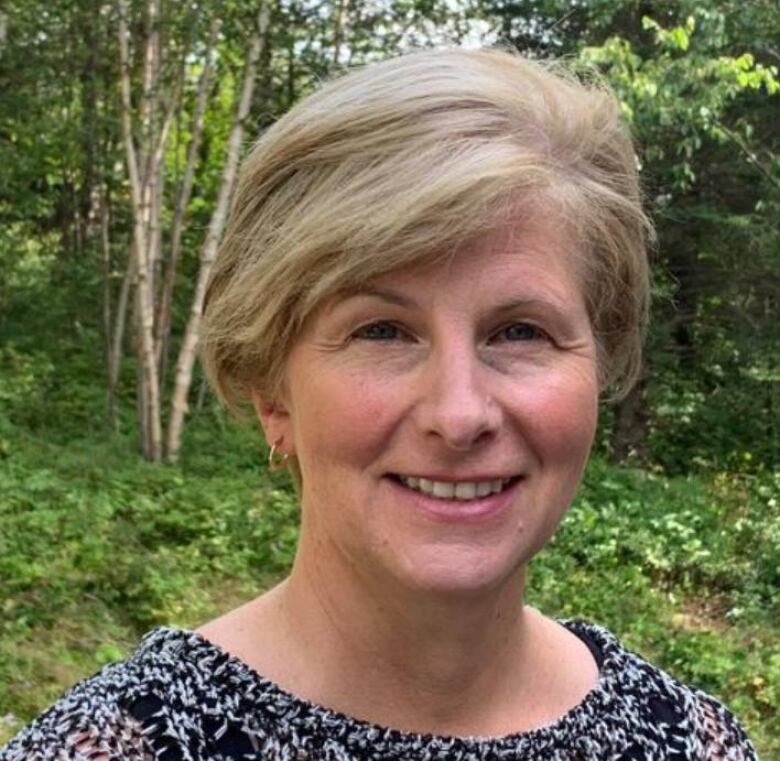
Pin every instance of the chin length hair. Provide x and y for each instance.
(406, 160)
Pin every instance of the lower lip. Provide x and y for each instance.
(460, 510)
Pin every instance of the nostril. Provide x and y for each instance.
(463, 436)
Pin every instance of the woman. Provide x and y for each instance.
(434, 268)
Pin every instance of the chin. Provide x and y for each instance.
(454, 571)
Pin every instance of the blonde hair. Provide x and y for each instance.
(403, 160)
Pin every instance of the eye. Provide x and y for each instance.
(379, 331)
(521, 331)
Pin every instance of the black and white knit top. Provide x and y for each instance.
(180, 698)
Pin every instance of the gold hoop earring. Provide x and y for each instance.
(276, 459)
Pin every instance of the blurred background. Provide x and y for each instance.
(129, 500)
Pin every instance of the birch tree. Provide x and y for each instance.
(153, 77)
(145, 148)
(163, 319)
(187, 352)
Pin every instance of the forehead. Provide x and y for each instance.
(532, 262)
(533, 255)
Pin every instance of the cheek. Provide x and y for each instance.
(564, 419)
(346, 421)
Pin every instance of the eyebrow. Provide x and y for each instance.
(386, 294)
(533, 300)
(528, 301)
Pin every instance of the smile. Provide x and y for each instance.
(462, 490)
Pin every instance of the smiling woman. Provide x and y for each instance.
(434, 268)
(474, 373)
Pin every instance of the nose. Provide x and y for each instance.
(457, 405)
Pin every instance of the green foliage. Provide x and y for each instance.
(681, 557)
(678, 98)
(98, 547)
(701, 93)
(687, 570)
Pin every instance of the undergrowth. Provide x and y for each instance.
(97, 547)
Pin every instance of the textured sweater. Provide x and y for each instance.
(178, 697)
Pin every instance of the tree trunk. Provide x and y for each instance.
(3, 30)
(116, 351)
(141, 190)
(105, 247)
(145, 147)
(163, 322)
(339, 14)
(186, 359)
(291, 93)
(203, 390)
(90, 206)
(631, 423)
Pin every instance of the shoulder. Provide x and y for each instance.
(679, 717)
(109, 716)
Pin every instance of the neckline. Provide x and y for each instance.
(586, 722)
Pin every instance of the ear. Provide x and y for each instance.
(275, 421)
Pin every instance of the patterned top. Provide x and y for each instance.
(180, 697)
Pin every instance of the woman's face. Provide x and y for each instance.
(443, 417)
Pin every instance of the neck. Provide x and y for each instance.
(374, 643)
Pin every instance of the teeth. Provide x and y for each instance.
(466, 490)
(462, 490)
(443, 489)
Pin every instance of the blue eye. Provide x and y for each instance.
(521, 331)
(378, 331)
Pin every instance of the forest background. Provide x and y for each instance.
(129, 500)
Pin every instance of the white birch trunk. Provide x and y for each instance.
(108, 319)
(163, 322)
(187, 352)
(339, 16)
(141, 191)
(117, 342)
